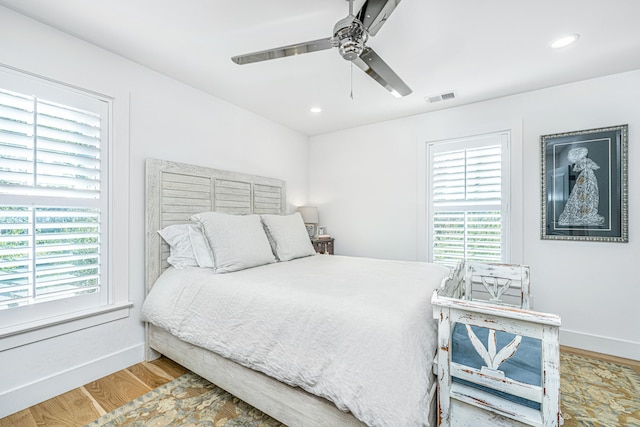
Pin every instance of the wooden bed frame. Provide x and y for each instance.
(495, 297)
(175, 192)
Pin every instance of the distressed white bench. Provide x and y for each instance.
(498, 360)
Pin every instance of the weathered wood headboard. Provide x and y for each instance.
(176, 191)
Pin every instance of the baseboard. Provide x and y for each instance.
(33, 393)
(600, 344)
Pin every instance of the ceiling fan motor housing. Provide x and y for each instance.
(350, 37)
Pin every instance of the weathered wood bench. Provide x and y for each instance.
(498, 360)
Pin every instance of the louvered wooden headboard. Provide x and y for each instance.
(176, 191)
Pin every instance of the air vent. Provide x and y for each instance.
(441, 97)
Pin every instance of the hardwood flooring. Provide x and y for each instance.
(89, 402)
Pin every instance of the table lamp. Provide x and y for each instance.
(310, 217)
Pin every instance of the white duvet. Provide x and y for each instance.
(356, 331)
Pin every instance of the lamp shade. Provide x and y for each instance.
(309, 214)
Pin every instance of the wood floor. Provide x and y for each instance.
(89, 402)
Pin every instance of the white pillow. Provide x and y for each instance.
(187, 245)
(201, 248)
(288, 236)
(237, 241)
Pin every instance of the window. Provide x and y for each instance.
(468, 199)
(53, 199)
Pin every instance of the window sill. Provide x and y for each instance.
(27, 333)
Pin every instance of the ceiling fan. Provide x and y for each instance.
(350, 36)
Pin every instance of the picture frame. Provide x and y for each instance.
(322, 230)
(585, 185)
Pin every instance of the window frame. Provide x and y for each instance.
(35, 197)
(503, 138)
(113, 302)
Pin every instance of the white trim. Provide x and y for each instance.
(600, 344)
(27, 333)
(41, 92)
(505, 142)
(114, 295)
(27, 395)
(49, 82)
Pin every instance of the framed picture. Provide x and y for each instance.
(584, 185)
(322, 231)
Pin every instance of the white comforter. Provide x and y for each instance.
(356, 331)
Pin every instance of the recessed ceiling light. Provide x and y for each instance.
(564, 41)
(315, 110)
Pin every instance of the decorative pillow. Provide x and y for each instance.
(237, 241)
(187, 245)
(288, 236)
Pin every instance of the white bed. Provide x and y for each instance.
(356, 331)
(376, 389)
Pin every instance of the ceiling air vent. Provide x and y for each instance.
(442, 97)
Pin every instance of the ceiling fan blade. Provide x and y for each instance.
(377, 69)
(280, 52)
(374, 13)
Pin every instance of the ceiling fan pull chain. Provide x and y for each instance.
(351, 81)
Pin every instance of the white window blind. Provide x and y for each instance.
(468, 201)
(52, 195)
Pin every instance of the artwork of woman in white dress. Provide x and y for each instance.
(582, 206)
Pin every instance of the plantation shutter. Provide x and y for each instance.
(467, 203)
(51, 185)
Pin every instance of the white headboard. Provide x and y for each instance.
(176, 191)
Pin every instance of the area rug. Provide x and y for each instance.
(594, 394)
(186, 401)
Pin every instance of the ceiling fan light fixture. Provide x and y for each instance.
(564, 41)
(350, 36)
(350, 49)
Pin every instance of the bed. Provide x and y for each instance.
(175, 193)
(498, 360)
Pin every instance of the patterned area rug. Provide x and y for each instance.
(594, 394)
(187, 401)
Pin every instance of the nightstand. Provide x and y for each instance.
(323, 246)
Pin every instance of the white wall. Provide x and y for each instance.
(370, 183)
(167, 120)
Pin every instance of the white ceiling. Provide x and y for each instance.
(481, 49)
